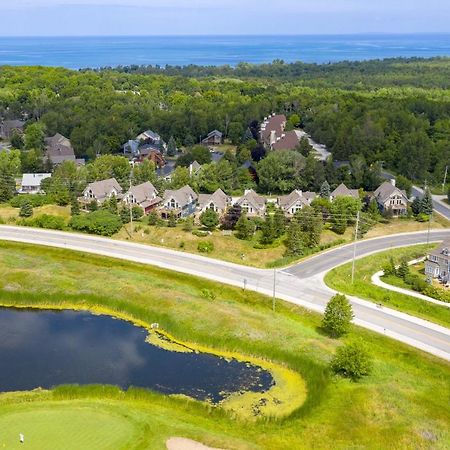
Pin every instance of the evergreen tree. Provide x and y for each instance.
(279, 222)
(325, 190)
(373, 210)
(338, 316)
(311, 224)
(26, 210)
(74, 206)
(294, 241)
(426, 205)
(245, 228)
(188, 224)
(209, 219)
(153, 218)
(268, 234)
(172, 220)
(403, 271)
(171, 147)
(92, 206)
(112, 204)
(248, 136)
(304, 146)
(416, 206)
(124, 214)
(7, 186)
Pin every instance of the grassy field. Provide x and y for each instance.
(340, 279)
(395, 407)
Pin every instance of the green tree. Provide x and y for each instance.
(231, 217)
(74, 206)
(268, 232)
(373, 210)
(338, 316)
(209, 219)
(188, 224)
(304, 147)
(245, 228)
(92, 206)
(311, 224)
(112, 205)
(201, 154)
(279, 222)
(325, 190)
(34, 136)
(171, 147)
(172, 220)
(153, 218)
(26, 210)
(403, 270)
(426, 205)
(352, 360)
(294, 240)
(145, 171)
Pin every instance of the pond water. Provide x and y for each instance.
(50, 348)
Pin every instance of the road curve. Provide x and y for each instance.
(301, 284)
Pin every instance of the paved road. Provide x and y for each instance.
(301, 284)
(438, 205)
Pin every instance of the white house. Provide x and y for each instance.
(31, 182)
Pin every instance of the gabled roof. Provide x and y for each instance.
(219, 198)
(343, 191)
(288, 201)
(149, 134)
(34, 179)
(214, 133)
(14, 124)
(143, 192)
(103, 188)
(273, 123)
(442, 250)
(386, 190)
(182, 196)
(57, 139)
(253, 199)
(287, 141)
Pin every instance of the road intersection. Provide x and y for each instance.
(301, 283)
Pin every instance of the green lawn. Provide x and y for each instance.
(340, 279)
(397, 406)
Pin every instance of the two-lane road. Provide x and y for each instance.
(301, 284)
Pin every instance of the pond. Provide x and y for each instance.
(40, 348)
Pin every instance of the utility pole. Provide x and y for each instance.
(429, 227)
(445, 179)
(274, 288)
(131, 211)
(354, 246)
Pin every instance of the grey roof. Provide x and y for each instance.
(219, 198)
(103, 188)
(143, 192)
(149, 134)
(213, 133)
(59, 149)
(287, 201)
(254, 199)
(58, 140)
(440, 251)
(34, 179)
(386, 190)
(183, 196)
(195, 167)
(13, 124)
(343, 191)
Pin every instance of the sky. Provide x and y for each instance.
(224, 17)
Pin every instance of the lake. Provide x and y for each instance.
(50, 348)
(80, 52)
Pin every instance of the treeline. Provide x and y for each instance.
(405, 125)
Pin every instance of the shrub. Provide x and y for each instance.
(100, 222)
(172, 221)
(153, 218)
(26, 210)
(208, 294)
(209, 219)
(205, 247)
(45, 221)
(338, 316)
(34, 200)
(200, 233)
(352, 361)
(188, 224)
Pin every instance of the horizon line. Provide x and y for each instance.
(370, 33)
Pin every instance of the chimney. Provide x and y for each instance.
(393, 181)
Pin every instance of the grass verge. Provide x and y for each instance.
(340, 279)
(395, 407)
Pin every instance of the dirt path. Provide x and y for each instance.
(176, 443)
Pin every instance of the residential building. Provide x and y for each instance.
(213, 138)
(9, 127)
(101, 191)
(343, 191)
(390, 197)
(295, 201)
(437, 264)
(143, 195)
(272, 128)
(31, 182)
(194, 168)
(59, 149)
(146, 141)
(252, 203)
(287, 141)
(219, 202)
(182, 202)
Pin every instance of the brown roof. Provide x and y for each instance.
(287, 141)
(273, 123)
(343, 191)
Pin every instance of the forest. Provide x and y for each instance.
(393, 114)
